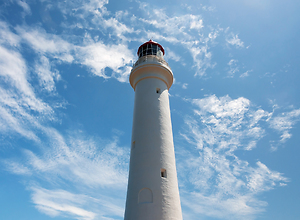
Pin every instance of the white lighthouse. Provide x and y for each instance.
(152, 185)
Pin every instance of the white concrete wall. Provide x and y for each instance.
(150, 196)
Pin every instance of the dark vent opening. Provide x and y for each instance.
(163, 173)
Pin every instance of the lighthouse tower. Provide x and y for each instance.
(152, 185)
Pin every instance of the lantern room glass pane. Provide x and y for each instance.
(150, 49)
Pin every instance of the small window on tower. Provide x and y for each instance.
(157, 90)
(133, 144)
(163, 173)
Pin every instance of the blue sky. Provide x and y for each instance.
(66, 105)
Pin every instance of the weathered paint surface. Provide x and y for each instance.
(152, 186)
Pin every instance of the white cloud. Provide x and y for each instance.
(263, 179)
(85, 11)
(242, 208)
(284, 123)
(172, 56)
(82, 161)
(175, 26)
(97, 170)
(223, 185)
(13, 70)
(77, 159)
(21, 109)
(180, 30)
(99, 56)
(201, 56)
(7, 37)
(235, 40)
(16, 167)
(245, 74)
(45, 43)
(95, 7)
(187, 30)
(223, 107)
(185, 85)
(119, 28)
(25, 7)
(219, 127)
(15, 122)
(233, 67)
(93, 15)
(95, 55)
(209, 8)
(46, 77)
(61, 202)
(19, 105)
(196, 22)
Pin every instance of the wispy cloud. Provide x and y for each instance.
(172, 56)
(179, 30)
(89, 165)
(7, 37)
(60, 159)
(229, 121)
(21, 109)
(47, 77)
(224, 186)
(284, 123)
(70, 168)
(81, 160)
(118, 27)
(99, 56)
(245, 74)
(45, 43)
(187, 30)
(94, 54)
(25, 6)
(234, 40)
(16, 167)
(192, 33)
(244, 207)
(233, 67)
(61, 202)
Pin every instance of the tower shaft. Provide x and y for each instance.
(152, 185)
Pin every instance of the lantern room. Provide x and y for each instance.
(151, 48)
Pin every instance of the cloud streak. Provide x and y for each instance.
(284, 123)
(65, 169)
(225, 186)
(234, 40)
(88, 165)
(61, 202)
(58, 159)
